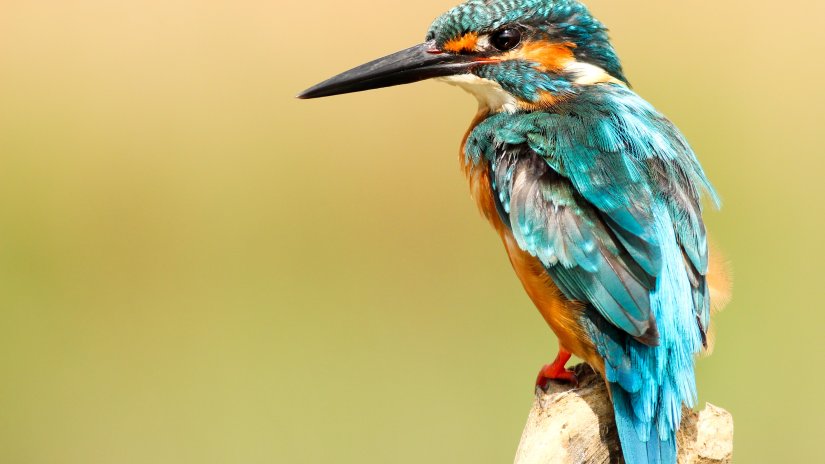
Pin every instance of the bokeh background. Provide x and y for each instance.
(195, 267)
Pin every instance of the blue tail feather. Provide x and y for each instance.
(650, 384)
(656, 449)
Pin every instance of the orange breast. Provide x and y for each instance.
(561, 314)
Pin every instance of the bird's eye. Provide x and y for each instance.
(505, 39)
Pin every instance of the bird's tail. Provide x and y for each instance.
(636, 449)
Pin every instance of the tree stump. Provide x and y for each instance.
(575, 425)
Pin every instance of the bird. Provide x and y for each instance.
(596, 196)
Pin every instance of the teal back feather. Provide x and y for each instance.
(605, 192)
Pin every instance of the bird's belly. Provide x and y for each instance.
(562, 315)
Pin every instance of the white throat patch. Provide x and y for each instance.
(490, 94)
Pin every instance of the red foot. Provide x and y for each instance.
(556, 371)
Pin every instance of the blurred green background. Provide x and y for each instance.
(195, 267)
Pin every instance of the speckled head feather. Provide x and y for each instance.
(551, 20)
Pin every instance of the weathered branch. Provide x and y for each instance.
(575, 425)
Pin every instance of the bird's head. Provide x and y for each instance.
(511, 54)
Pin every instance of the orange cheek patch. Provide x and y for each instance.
(465, 43)
(547, 56)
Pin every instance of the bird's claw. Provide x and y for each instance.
(551, 372)
(557, 371)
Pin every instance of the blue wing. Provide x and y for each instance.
(577, 244)
(605, 192)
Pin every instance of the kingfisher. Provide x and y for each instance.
(595, 194)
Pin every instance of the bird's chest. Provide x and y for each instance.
(478, 177)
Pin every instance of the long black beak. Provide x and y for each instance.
(411, 65)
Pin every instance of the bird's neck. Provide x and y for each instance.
(493, 97)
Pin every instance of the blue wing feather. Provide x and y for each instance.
(605, 192)
(551, 221)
